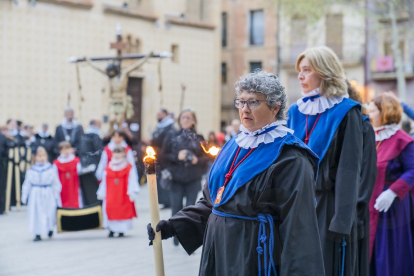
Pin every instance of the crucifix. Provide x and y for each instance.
(120, 104)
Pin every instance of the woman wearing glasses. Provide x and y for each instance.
(331, 125)
(257, 214)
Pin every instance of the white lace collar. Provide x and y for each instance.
(69, 125)
(247, 139)
(385, 132)
(66, 158)
(311, 105)
(112, 145)
(118, 164)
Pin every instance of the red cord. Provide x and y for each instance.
(314, 125)
(229, 175)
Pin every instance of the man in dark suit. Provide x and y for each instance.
(69, 131)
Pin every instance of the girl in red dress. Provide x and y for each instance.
(68, 167)
(118, 190)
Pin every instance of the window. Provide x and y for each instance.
(256, 27)
(334, 30)
(298, 36)
(132, 45)
(223, 73)
(255, 65)
(224, 29)
(174, 51)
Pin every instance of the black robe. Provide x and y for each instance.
(74, 134)
(90, 150)
(337, 192)
(229, 244)
(46, 142)
(368, 176)
(3, 171)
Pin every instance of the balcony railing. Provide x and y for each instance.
(383, 68)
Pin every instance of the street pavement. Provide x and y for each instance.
(88, 253)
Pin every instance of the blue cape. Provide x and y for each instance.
(258, 161)
(326, 127)
(365, 117)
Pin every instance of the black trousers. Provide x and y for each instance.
(180, 190)
(163, 194)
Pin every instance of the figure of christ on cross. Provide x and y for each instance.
(120, 104)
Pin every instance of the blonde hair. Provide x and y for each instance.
(325, 63)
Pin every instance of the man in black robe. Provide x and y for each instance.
(164, 128)
(90, 150)
(44, 139)
(69, 131)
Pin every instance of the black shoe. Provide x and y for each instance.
(111, 234)
(50, 234)
(176, 242)
(121, 235)
(37, 238)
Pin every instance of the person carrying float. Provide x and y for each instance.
(257, 216)
(331, 125)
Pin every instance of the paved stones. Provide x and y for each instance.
(88, 253)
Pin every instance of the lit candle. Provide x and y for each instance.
(150, 162)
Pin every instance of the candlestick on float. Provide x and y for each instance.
(150, 170)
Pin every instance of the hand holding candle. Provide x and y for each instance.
(150, 162)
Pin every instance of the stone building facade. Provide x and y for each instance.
(381, 69)
(342, 29)
(37, 38)
(248, 33)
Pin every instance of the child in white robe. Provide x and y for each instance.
(41, 191)
(118, 190)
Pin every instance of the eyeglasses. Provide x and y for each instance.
(251, 103)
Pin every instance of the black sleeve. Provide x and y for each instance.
(348, 172)
(368, 171)
(203, 157)
(97, 143)
(169, 155)
(295, 202)
(190, 223)
(56, 140)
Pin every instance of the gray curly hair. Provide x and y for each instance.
(265, 83)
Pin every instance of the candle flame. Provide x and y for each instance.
(150, 153)
(212, 151)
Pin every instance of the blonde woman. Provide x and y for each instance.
(331, 125)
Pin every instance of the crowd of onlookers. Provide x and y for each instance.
(182, 162)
